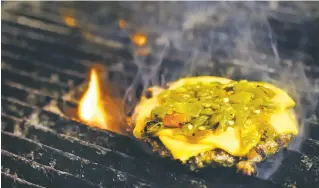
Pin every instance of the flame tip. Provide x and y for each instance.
(96, 108)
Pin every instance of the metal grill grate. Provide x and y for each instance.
(42, 60)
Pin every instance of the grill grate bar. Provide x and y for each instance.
(64, 74)
(39, 174)
(32, 85)
(9, 180)
(51, 86)
(10, 123)
(35, 23)
(79, 167)
(25, 63)
(15, 109)
(51, 48)
(40, 15)
(55, 15)
(25, 95)
(117, 65)
(34, 33)
(57, 18)
(84, 46)
(51, 58)
(12, 118)
(67, 67)
(52, 80)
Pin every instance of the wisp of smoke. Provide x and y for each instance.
(230, 39)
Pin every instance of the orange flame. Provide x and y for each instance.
(98, 108)
(69, 20)
(91, 109)
(139, 39)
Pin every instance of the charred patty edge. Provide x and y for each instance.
(220, 158)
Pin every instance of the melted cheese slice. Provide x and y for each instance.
(182, 148)
(285, 122)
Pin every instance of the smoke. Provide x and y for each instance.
(229, 39)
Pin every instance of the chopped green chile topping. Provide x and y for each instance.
(215, 106)
(152, 127)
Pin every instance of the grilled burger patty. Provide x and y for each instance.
(211, 120)
(218, 157)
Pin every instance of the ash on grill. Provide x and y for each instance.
(44, 60)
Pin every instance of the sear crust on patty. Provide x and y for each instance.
(218, 157)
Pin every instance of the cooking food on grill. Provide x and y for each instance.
(213, 121)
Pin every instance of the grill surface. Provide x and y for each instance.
(42, 60)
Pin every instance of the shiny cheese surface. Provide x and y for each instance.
(183, 148)
(284, 122)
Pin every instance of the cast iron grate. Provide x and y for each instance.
(43, 60)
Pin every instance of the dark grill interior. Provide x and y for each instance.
(43, 59)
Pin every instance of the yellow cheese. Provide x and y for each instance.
(284, 123)
(183, 150)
